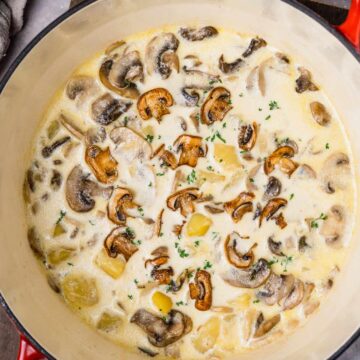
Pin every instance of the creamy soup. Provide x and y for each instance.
(191, 193)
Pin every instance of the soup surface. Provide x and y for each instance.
(191, 193)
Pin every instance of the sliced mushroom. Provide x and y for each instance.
(264, 326)
(70, 126)
(228, 68)
(154, 103)
(120, 242)
(214, 208)
(335, 172)
(167, 157)
(191, 96)
(148, 352)
(162, 276)
(56, 180)
(130, 144)
(333, 226)
(48, 150)
(275, 246)
(256, 75)
(281, 157)
(158, 261)
(162, 332)
(80, 190)
(102, 164)
(197, 79)
(192, 34)
(107, 109)
(247, 136)
(296, 295)
(121, 200)
(303, 82)
(35, 243)
(239, 206)
(183, 200)
(319, 113)
(158, 223)
(276, 288)
(160, 53)
(304, 172)
(195, 118)
(201, 290)
(191, 61)
(80, 87)
(273, 188)
(302, 244)
(271, 208)
(254, 45)
(216, 106)
(250, 182)
(191, 148)
(251, 278)
(239, 260)
(176, 285)
(160, 251)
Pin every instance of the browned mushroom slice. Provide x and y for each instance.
(158, 223)
(121, 200)
(275, 246)
(191, 148)
(198, 34)
(271, 208)
(228, 68)
(158, 261)
(216, 105)
(319, 113)
(107, 109)
(303, 82)
(183, 200)
(162, 276)
(247, 136)
(296, 295)
(48, 150)
(176, 285)
(102, 164)
(239, 206)
(333, 226)
(250, 278)
(80, 190)
(119, 242)
(241, 261)
(167, 157)
(154, 103)
(191, 96)
(254, 45)
(280, 221)
(160, 251)
(201, 290)
(264, 326)
(160, 56)
(276, 288)
(162, 332)
(281, 157)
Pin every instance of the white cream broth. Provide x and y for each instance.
(232, 321)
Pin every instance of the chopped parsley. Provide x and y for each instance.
(207, 265)
(161, 234)
(224, 125)
(268, 117)
(91, 223)
(70, 264)
(291, 196)
(327, 146)
(179, 303)
(197, 243)
(229, 102)
(141, 211)
(159, 137)
(256, 301)
(260, 109)
(130, 232)
(126, 120)
(182, 252)
(251, 180)
(315, 223)
(160, 174)
(214, 136)
(210, 168)
(241, 94)
(149, 138)
(191, 178)
(150, 184)
(214, 235)
(130, 297)
(136, 281)
(273, 105)
(62, 214)
(285, 262)
(273, 261)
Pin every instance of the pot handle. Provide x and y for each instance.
(27, 351)
(351, 26)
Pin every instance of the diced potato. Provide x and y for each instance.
(114, 267)
(229, 335)
(210, 177)
(58, 230)
(162, 302)
(108, 322)
(80, 290)
(207, 335)
(198, 225)
(56, 256)
(242, 302)
(226, 156)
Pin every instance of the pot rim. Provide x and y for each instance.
(12, 68)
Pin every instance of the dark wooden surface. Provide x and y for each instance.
(50, 9)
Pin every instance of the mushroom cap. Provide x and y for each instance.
(80, 87)
(239, 206)
(239, 260)
(216, 106)
(192, 34)
(247, 136)
(120, 200)
(191, 149)
(271, 208)
(201, 291)
(319, 113)
(118, 242)
(228, 68)
(160, 332)
(183, 199)
(154, 103)
(156, 49)
(251, 278)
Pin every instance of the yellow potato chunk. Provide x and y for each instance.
(80, 290)
(198, 225)
(210, 177)
(114, 267)
(207, 335)
(56, 256)
(108, 322)
(242, 302)
(226, 156)
(162, 302)
(58, 230)
(228, 338)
